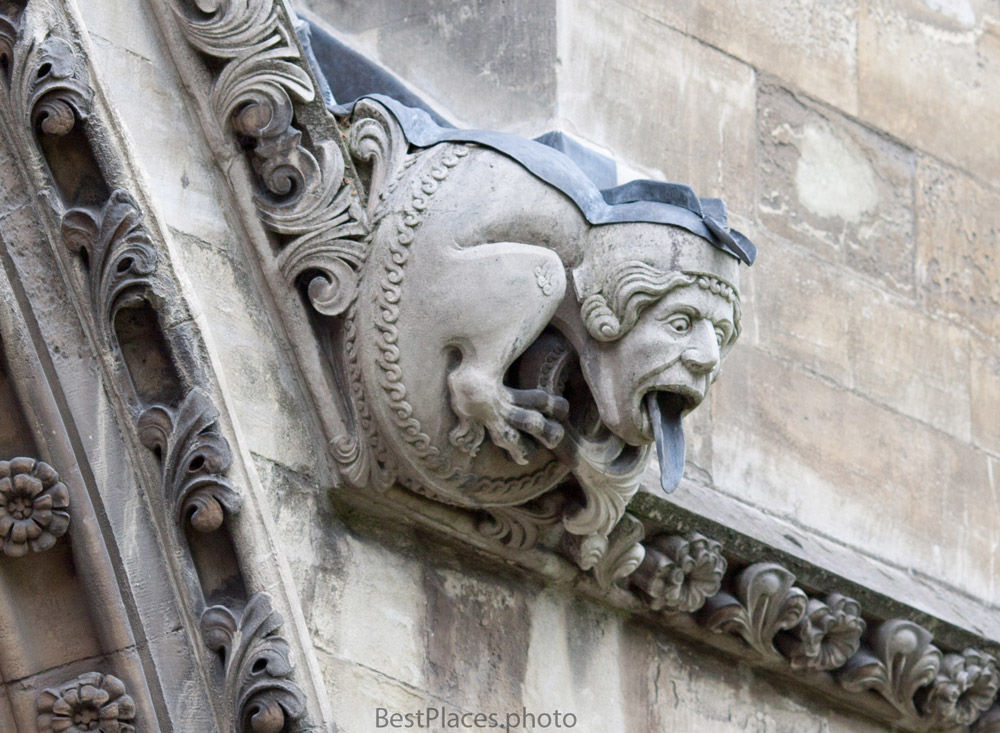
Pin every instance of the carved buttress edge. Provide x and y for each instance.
(301, 192)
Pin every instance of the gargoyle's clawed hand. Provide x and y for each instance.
(539, 414)
(507, 414)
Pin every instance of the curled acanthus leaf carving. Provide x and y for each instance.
(195, 458)
(47, 83)
(766, 602)
(519, 527)
(900, 660)
(120, 258)
(828, 635)
(610, 557)
(965, 686)
(301, 192)
(680, 573)
(91, 702)
(34, 506)
(258, 668)
(376, 139)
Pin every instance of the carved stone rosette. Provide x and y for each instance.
(680, 573)
(827, 636)
(258, 669)
(91, 702)
(34, 506)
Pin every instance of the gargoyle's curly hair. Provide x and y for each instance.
(611, 313)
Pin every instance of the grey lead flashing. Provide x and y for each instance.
(655, 202)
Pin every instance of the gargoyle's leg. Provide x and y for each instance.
(515, 290)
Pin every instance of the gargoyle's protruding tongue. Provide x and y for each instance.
(665, 414)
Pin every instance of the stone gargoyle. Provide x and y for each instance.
(515, 340)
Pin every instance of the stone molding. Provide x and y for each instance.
(115, 262)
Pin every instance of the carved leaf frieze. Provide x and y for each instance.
(680, 573)
(828, 635)
(195, 458)
(520, 527)
(900, 660)
(120, 258)
(34, 506)
(610, 557)
(91, 702)
(767, 602)
(258, 668)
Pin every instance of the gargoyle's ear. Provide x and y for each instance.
(598, 318)
(585, 283)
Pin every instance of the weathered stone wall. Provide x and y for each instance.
(856, 143)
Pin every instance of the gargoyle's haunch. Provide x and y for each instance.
(501, 346)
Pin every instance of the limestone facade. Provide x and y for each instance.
(198, 561)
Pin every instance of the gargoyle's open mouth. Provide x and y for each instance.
(665, 411)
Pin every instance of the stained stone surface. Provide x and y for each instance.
(854, 430)
(831, 184)
(494, 64)
(919, 58)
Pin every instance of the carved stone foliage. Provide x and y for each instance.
(91, 702)
(195, 458)
(257, 664)
(680, 573)
(300, 192)
(47, 85)
(34, 506)
(118, 255)
(827, 636)
(899, 661)
(965, 686)
(766, 602)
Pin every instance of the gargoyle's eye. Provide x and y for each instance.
(679, 322)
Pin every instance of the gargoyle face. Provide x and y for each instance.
(673, 353)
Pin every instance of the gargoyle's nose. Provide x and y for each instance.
(702, 353)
